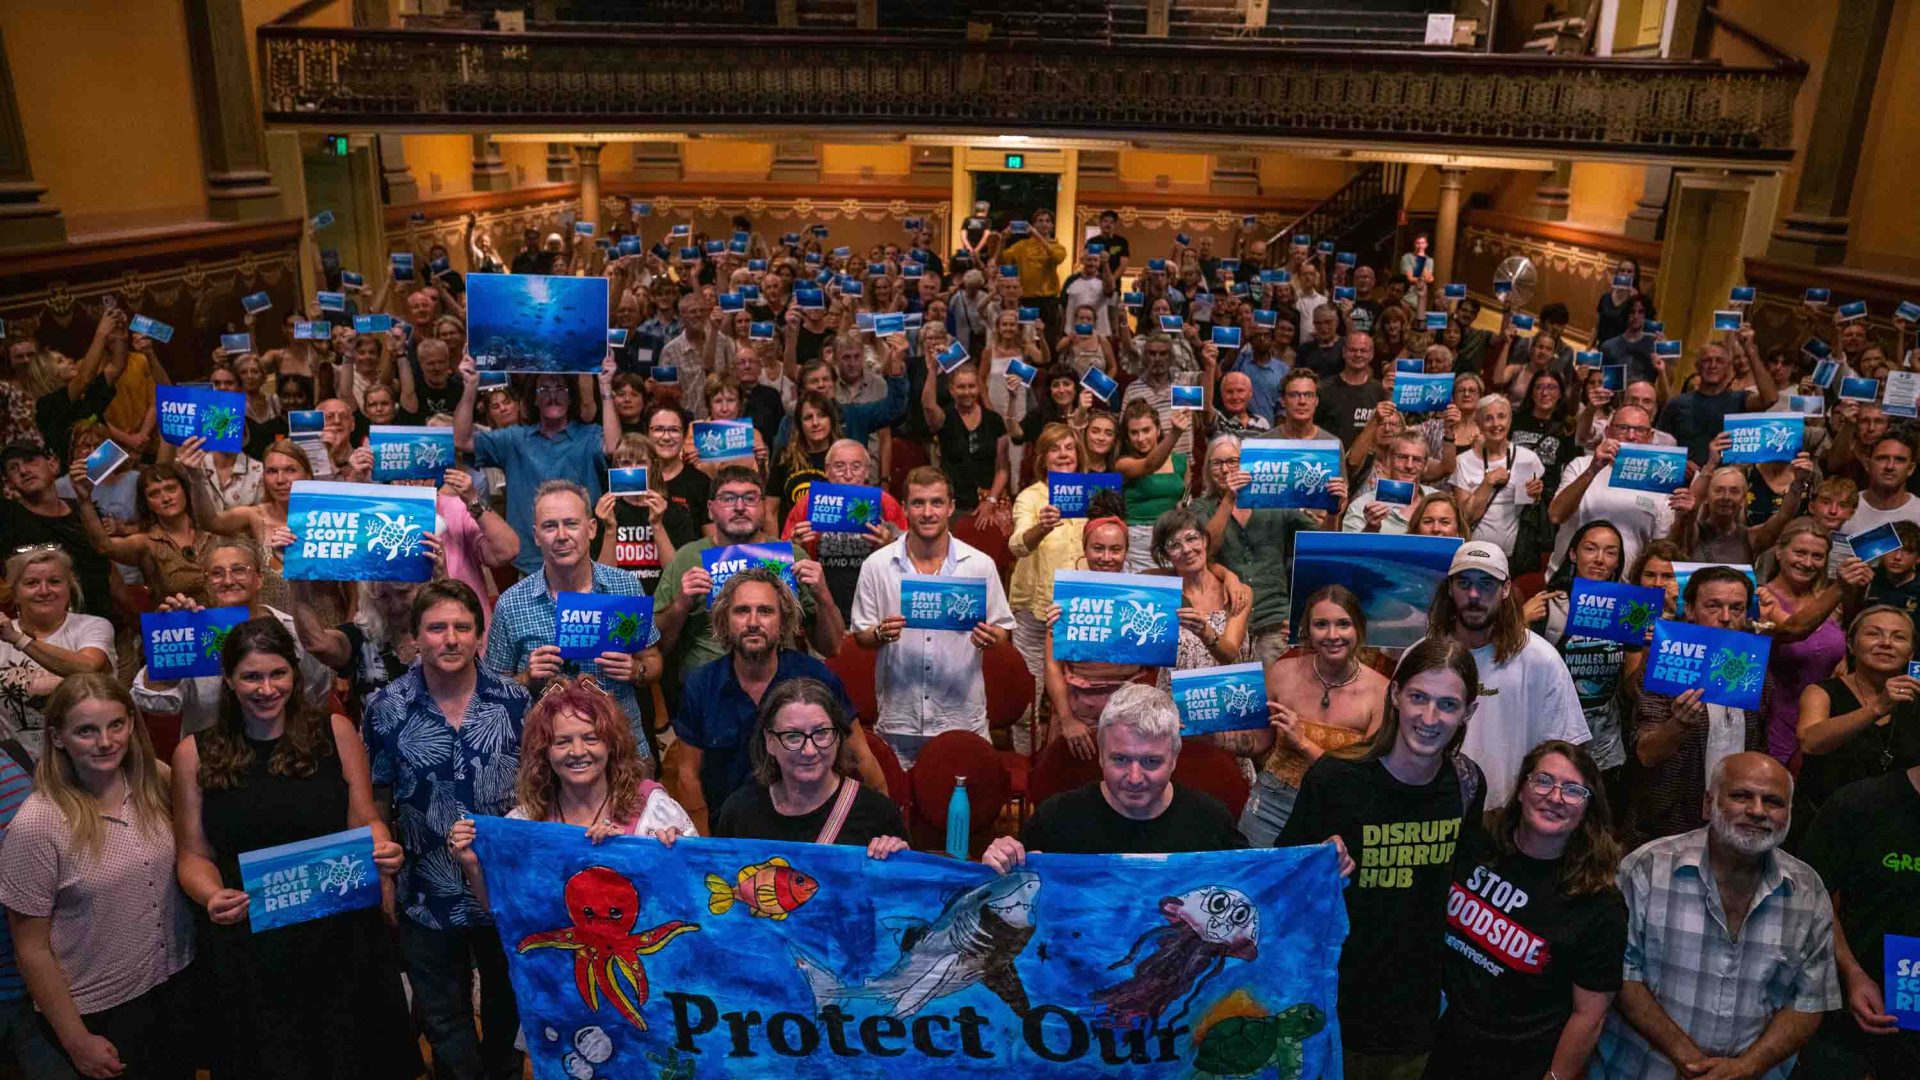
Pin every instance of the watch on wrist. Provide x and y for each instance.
(478, 507)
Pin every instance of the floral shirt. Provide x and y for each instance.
(437, 774)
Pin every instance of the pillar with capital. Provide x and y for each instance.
(232, 146)
(489, 172)
(1817, 228)
(1446, 225)
(24, 219)
(588, 155)
(1553, 199)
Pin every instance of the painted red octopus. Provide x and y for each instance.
(603, 907)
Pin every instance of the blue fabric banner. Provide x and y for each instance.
(410, 453)
(533, 322)
(1613, 611)
(1116, 618)
(1659, 469)
(1767, 436)
(186, 412)
(310, 879)
(1289, 473)
(842, 508)
(588, 624)
(1070, 492)
(1422, 393)
(721, 563)
(1727, 665)
(358, 532)
(1902, 985)
(186, 644)
(752, 959)
(939, 602)
(1229, 698)
(1395, 577)
(723, 440)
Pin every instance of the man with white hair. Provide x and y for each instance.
(1135, 808)
(1587, 494)
(1730, 960)
(841, 554)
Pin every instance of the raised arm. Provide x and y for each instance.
(463, 409)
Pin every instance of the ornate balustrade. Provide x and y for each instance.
(701, 79)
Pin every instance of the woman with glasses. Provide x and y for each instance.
(1536, 928)
(1499, 478)
(806, 784)
(46, 641)
(1214, 604)
(687, 489)
(1598, 666)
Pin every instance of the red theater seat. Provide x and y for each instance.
(957, 753)
(1206, 767)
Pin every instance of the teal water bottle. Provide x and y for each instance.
(959, 819)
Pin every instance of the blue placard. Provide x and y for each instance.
(1730, 667)
(152, 327)
(1100, 383)
(1189, 397)
(1824, 371)
(255, 303)
(884, 325)
(940, 602)
(537, 323)
(1413, 364)
(583, 228)
(1394, 575)
(1393, 492)
(372, 324)
(317, 330)
(732, 301)
(588, 624)
(1227, 337)
(359, 532)
(1852, 389)
(352, 280)
(187, 412)
(331, 301)
(1022, 370)
(716, 247)
(311, 879)
(1347, 258)
(913, 320)
(617, 336)
(1807, 405)
(1818, 296)
(1523, 322)
(1874, 543)
(186, 644)
(842, 508)
(1134, 299)
(1116, 618)
(1613, 611)
(1767, 436)
(1589, 358)
(850, 287)
(1660, 469)
(628, 245)
(1344, 292)
(760, 331)
(912, 270)
(1276, 277)
(1728, 320)
(1019, 228)
(1265, 319)
(1215, 699)
(863, 320)
(323, 219)
(721, 563)
(723, 440)
(402, 263)
(1741, 294)
(410, 453)
(1454, 290)
(1172, 324)
(1666, 348)
(1852, 310)
(234, 344)
(689, 254)
(305, 422)
(1071, 492)
(1907, 312)
(631, 480)
(1655, 326)
(1902, 982)
(105, 459)
(1422, 393)
(951, 357)
(1436, 320)
(810, 299)
(1623, 281)
(1289, 473)
(1029, 316)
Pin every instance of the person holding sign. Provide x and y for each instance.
(1696, 417)
(1717, 527)
(1597, 664)
(1396, 473)
(1861, 724)
(1043, 541)
(974, 451)
(45, 641)
(842, 552)
(40, 517)
(1805, 603)
(101, 931)
(1155, 474)
(1497, 479)
(1585, 493)
(1077, 691)
(316, 996)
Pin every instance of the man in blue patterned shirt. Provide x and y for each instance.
(444, 743)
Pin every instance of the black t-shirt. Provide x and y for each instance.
(1363, 315)
(1516, 946)
(1117, 249)
(1079, 822)
(24, 529)
(1402, 839)
(432, 401)
(1549, 441)
(749, 814)
(1323, 360)
(808, 345)
(371, 665)
(262, 435)
(764, 408)
(58, 414)
(1872, 751)
(635, 547)
(1345, 409)
(688, 491)
(968, 455)
(790, 483)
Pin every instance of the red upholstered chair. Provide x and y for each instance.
(1206, 767)
(899, 788)
(991, 542)
(1009, 692)
(854, 665)
(1055, 770)
(945, 756)
(907, 456)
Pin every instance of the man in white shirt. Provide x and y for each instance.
(1585, 494)
(927, 681)
(1405, 459)
(1886, 498)
(1526, 695)
(1091, 286)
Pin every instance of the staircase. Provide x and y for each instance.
(1362, 217)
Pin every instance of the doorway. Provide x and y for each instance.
(1016, 196)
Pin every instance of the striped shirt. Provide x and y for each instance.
(1721, 989)
(15, 785)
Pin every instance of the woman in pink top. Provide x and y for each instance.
(1801, 602)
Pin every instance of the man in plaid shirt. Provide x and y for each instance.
(1729, 961)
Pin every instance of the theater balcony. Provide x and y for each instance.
(1309, 75)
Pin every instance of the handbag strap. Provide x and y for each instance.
(842, 806)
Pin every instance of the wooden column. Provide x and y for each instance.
(397, 183)
(1648, 219)
(588, 156)
(489, 172)
(1446, 225)
(24, 219)
(1553, 199)
(233, 149)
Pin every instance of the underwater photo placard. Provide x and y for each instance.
(537, 323)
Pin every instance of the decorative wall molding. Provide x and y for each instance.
(1781, 317)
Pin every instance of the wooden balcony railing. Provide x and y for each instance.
(702, 78)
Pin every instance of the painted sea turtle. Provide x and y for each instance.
(1244, 1045)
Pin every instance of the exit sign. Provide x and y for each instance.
(1016, 161)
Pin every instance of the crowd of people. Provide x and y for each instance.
(1551, 870)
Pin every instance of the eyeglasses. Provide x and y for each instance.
(1543, 785)
(549, 392)
(794, 740)
(581, 682)
(738, 498)
(1300, 395)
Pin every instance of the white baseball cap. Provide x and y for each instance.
(1480, 555)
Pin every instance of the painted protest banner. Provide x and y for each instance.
(1767, 436)
(1395, 577)
(1228, 698)
(537, 323)
(588, 624)
(186, 644)
(189, 412)
(1414, 393)
(1116, 618)
(1902, 984)
(401, 452)
(1071, 492)
(721, 563)
(941, 602)
(310, 879)
(1658, 469)
(842, 508)
(723, 440)
(1613, 611)
(358, 532)
(1728, 666)
(1289, 473)
(756, 959)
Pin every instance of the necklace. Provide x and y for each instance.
(1327, 688)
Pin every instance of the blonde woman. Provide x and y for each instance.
(91, 849)
(1043, 542)
(46, 642)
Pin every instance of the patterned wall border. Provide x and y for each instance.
(448, 226)
(1575, 266)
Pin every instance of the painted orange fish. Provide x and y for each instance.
(770, 890)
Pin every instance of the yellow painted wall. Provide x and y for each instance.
(1602, 195)
(1886, 234)
(1803, 30)
(106, 99)
(527, 162)
(448, 156)
(889, 161)
(1312, 178)
(1143, 169)
(726, 158)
